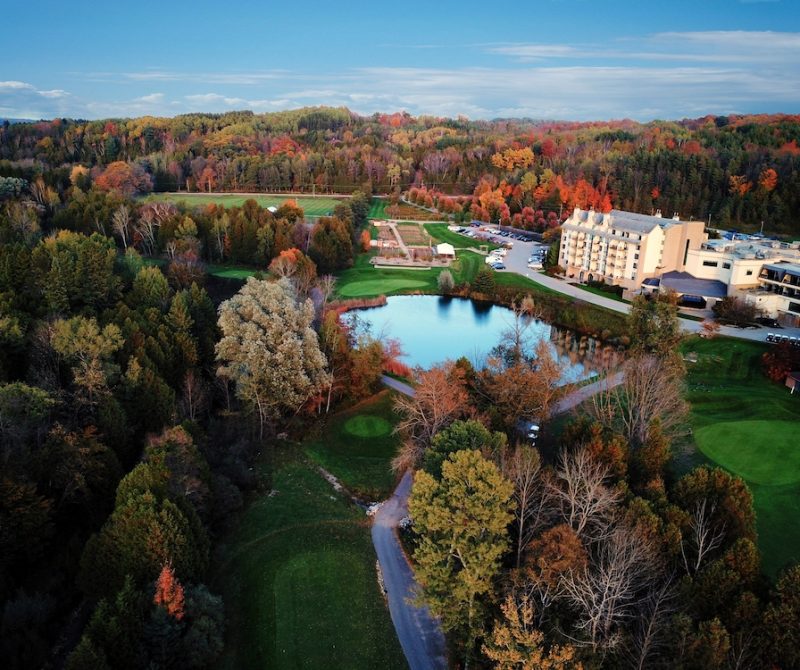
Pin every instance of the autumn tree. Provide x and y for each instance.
(516, 644)
(127, 179)
(461, 521)
(269, 349)
(169, 593)
(89, 350)
(440, 397)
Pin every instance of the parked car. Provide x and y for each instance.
(498, 266)
(769, 323)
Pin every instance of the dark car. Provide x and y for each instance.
(769, 323)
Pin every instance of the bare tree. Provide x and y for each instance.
(652, 388)
(121, 223)
(194, 396)
(586, 503)
(705, 536)
(327, 285)
(648, 642)
(606, 592)
(440, 398)
(524, 469)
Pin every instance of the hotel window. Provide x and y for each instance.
(636, 256)
(749, 272)
(634, 266)
(726, 266)
(710, 264)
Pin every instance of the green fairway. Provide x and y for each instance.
(299, 582)
(231, 271)
(373, 287)
(312, 206)
(358, 445)
(440, 233)
(762, 452)
(749, 425)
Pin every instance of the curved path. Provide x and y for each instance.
(419, 632)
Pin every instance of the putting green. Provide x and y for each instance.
(762, 452)
(364, 425)
(372, 287)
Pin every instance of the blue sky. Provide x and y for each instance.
(554, 59)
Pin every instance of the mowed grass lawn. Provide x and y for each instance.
(321, 206)
(363, 280)
(750, 426)
(377, 208)
(357, 447)
(299, 581)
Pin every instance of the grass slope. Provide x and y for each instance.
(298, 577)
(321, 206)
(358, 445)
(749, 425)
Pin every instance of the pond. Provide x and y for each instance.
(433, 329)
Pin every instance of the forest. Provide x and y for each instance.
(734, 171)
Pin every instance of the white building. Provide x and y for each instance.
(624, 248)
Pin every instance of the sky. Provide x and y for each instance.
(542, 59)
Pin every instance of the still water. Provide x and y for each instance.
(433, 329)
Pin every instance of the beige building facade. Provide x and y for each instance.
(624, 248)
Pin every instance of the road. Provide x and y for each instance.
(517, 261)
(419, 633)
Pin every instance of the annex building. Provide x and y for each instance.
(624, 248)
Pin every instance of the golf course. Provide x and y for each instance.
(748, 425)
(298, 570)
(312, 205)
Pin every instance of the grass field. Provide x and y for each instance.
(357, 446)
(320, 206)
(749, 425)
(440, 233)
(377, 208)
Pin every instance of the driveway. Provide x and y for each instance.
(419, 632)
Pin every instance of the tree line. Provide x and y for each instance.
(737, 170)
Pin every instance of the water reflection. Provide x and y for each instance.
(433, 329)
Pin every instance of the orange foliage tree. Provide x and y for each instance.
(124, 178)
(169, 593)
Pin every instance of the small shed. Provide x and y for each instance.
(446, 250)
(793, 381)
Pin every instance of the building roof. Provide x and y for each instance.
(685, 284)
(784, 268)
(445, 249)
(627, 221)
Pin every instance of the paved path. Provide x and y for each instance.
(397, 385)
(419, 632)
(575, 398)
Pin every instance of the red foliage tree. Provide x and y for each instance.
(124, 178)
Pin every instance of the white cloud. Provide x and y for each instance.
(55, 93)
(15, 86)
